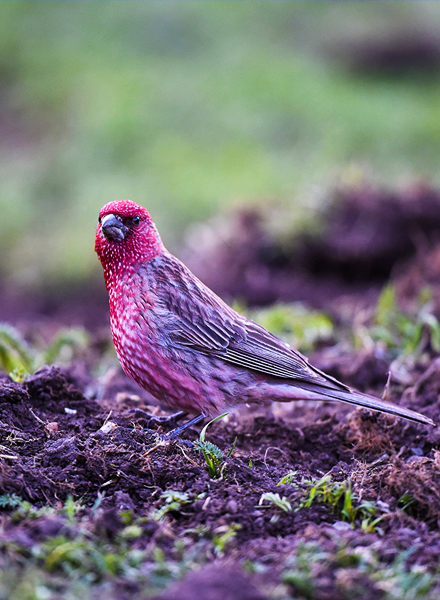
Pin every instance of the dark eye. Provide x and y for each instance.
(136, 220)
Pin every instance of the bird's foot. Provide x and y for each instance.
(157, 420)
(163, 441)
(175, 433)
(171, 436)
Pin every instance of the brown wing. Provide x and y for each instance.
(191, 315)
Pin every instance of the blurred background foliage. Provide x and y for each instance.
(190, 108)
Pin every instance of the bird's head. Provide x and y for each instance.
(126, 235)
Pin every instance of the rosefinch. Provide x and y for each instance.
(187, 347)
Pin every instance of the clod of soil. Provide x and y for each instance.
(399, 53)
(220, 582)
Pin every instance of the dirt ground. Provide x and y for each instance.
(89, 496)
(54, 445)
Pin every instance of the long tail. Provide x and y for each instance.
(359, 399)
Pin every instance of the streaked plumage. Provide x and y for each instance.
(187, 347)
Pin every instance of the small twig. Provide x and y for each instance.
(5, 448)
(108, 417)
(387, 386)
(222, 470)
(9, 456)
(160, 444)
(193, 462)
(36, 417)
(267, 452)
(106, 483)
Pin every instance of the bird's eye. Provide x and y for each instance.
(136, 220)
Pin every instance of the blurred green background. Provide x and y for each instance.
(191, 107)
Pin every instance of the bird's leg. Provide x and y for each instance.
(156, 420)
(175, 433)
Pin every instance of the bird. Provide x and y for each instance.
(183, 344)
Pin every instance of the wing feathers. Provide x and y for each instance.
(258, 363)
(192, 316)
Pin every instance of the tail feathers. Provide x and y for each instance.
(359, 399)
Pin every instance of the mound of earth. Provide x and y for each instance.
(367, 237)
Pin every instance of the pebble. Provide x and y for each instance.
(107, 428)
(417, 451)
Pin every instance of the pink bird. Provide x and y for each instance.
(189, 349)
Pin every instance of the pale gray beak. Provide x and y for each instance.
(113, 227)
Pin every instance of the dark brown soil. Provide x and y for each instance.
(53, 446)
(400, 53)
(67, 432)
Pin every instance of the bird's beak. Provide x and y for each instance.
(113, 228)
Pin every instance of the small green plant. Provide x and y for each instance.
(131, 532)
(405, 501)
(214, 457)
(10, 501)
(304, 568)
(287, 478)
(87, 556)
(19, 359)
(323, 491)
(296, 324)
(25, 510)
(338, 495)
(403, 581)
(223, 536)
(308, 567)
(16, 357)
(65, 345)
(275, 499)
(71, 507)
(404, 333)
(173, 502)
